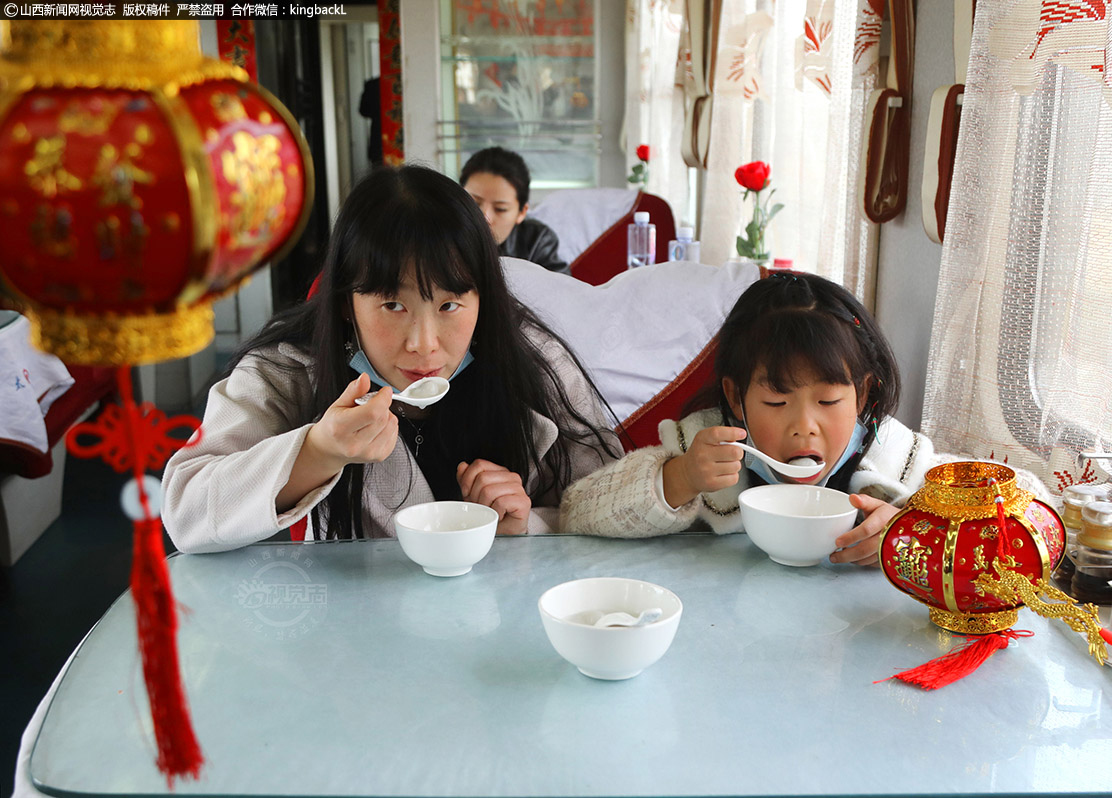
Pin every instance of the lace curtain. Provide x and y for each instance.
(1019, 360)
(790, 88)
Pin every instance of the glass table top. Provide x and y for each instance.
(343, 669)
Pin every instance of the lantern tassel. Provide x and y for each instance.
(179, 753)
(958, 662)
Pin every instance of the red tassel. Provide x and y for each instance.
(179, 753)
(958, 662)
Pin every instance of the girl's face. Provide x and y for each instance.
(815, 419)
(497, 200)
(407, 337)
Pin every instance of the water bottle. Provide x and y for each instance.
(684, 246)
(642, 241)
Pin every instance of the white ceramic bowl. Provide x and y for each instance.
(796, 524)
(568, 612)
(446, 538)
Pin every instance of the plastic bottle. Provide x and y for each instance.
(642, 241)
(1092, 581)
(684, 246)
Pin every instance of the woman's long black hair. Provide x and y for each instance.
(793, 322)
(411, 216)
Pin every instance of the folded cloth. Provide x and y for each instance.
(637, 332)
(30, 381)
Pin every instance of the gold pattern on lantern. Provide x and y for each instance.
(20, 133)
(78, 118)
(925, 527)
(963, 491)
(260, 196)
(911, 562)
(227, 107)
(45, 173)
(970, 623)
(106, 339)
(112, 243)
(52, 232)
(1013, 587)
(979, 561)
(116, 175)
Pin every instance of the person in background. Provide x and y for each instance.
(802, 371)
(411, 287)
(498, 180)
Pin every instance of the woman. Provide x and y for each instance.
(498, 180)
(411, 287)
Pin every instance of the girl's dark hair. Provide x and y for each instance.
(393, 219)
(506, 164)
(793, 322)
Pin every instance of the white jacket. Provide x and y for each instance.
(624, 500)
(221, 493)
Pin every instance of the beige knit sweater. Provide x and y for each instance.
(220, 493)
(623, 499)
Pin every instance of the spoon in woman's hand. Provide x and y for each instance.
(799, 467)
(422, 393)
(625, 619)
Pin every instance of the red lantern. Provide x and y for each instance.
(948, 535)
(139, 182)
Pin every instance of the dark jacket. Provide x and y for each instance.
(534, 241)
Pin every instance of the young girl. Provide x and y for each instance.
(802, 370)
(411, 287)
(498, 180)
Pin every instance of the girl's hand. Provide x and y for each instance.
(705, 467)
(861, 545)
(497, 487)
(351, 433)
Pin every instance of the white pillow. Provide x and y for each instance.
(578, 216)
(637, 332)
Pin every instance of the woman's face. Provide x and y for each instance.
(497, 199)
(815, 419)
(407, 337)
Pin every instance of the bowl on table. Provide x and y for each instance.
(570, 610)
(796, 524)
(446, 538)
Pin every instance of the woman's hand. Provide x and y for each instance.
(861, 545)
(351, 433)
(705, 467)
(497, 487)
(346, 433)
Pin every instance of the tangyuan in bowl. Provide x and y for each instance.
(796, 524)
(570, 611)
(446, 538)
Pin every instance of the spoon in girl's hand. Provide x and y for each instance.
(625, 619)
(798, 468)
(422, 393)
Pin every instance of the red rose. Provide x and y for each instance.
(643, 153)
(753, 176)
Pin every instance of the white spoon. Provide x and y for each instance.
(795, 468)
(625, 619)
(422, 393)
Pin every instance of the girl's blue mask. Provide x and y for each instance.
(761, 469)
(361, 364)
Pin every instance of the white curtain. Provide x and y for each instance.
(654, 103)
(1022, 342)
(791, 85)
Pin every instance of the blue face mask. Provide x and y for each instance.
(361, 364)
(761, 469)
